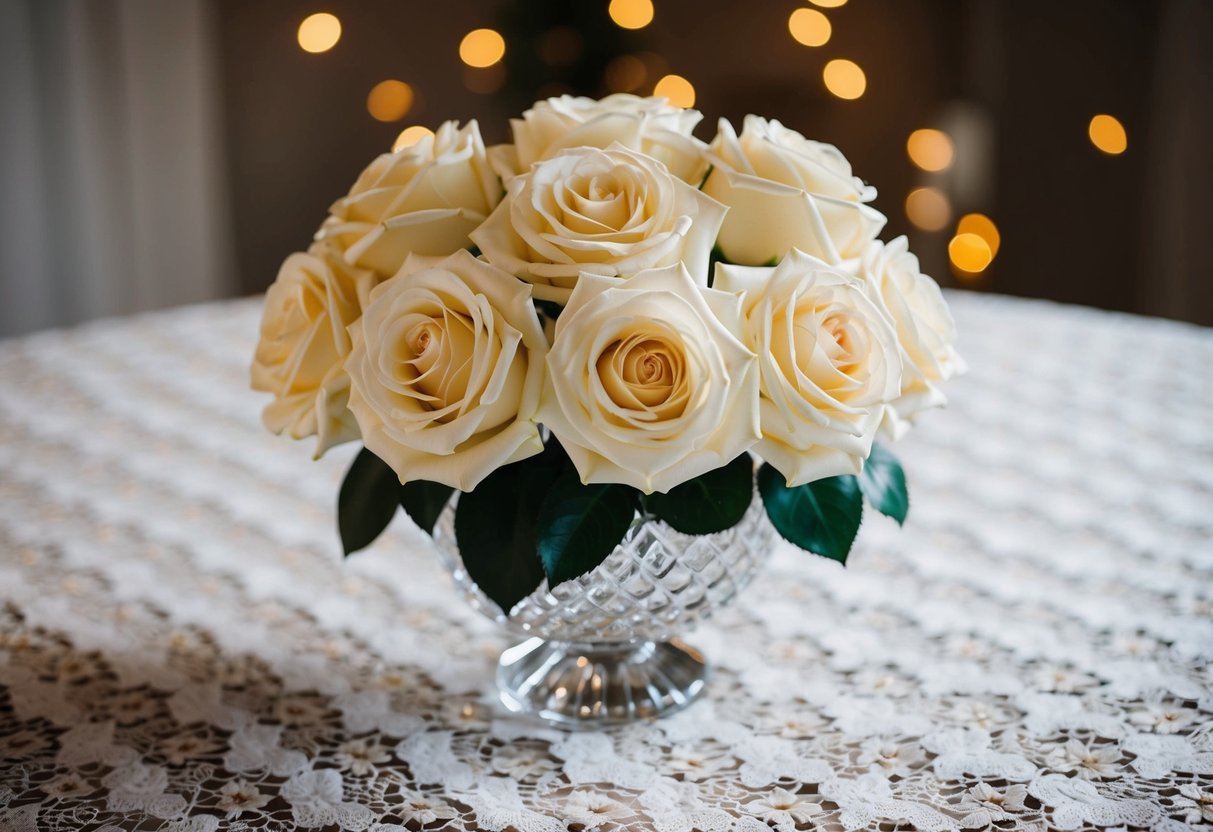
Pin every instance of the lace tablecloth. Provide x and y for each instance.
(182, 647)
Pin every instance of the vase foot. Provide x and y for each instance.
(589, 685)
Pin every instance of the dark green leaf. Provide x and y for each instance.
(367, 501)
(821, 517)
(883, 483)
(474, 250)
(496, 526)
(423, 501)
(711, 502)
(579, 525)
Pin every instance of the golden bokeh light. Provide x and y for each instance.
(809, 27)
(631, 14)
(409, 136)
(319, 32)
(929, 209)
(1108, 134)
(679, 90)
(983, 227)
(481, 48)
(626, 73)
(969, 253)
(931, 150)
(829, 4)
(844, 79)
(389, 100)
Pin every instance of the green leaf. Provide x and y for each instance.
(366, 502)
(496, 526)
(474, 250)
(423, 501)
(883, 483)
(579, 525)
(711, 502)
(821, 517)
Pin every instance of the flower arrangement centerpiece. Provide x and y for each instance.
(601, 364)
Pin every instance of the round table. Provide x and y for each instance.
(182, 646)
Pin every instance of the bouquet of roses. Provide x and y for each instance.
(604, 320)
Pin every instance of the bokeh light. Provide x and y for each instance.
(828, 4)
(983, 227)
(679, 90)
(844, 79)
(410, 136)
(319, 32)
(626, 73)
(809, 27)
(931, 150)
(481, 48)
(970, 253)
(389, 100)
(631, 14)
(1108, 134)
(928, 209)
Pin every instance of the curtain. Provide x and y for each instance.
(111, 172)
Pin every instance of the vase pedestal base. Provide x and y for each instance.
(591, 685)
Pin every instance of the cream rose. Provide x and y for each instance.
(446, 371)
(785, 191)
(425, 198)
(648, 125)
(647, 382)
(304, 343)
(610, 212)
(924, 326)
(828, 361)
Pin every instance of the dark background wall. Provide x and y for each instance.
(1014, 83)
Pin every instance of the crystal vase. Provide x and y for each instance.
(603, 649)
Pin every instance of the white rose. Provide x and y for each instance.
(647, 382)
(425, 198)
(924, 329)
(611, 212)
(648, 125)
(304, 343)
(785, 191)
(446, 371)
(828, 362)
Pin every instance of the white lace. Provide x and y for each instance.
(182, 648)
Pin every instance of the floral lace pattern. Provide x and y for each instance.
(181, 647)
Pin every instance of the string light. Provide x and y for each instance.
(983, 227)
(969, 253)
(409, 136)
(319, 32)
(481, 48)
(928, 209)
(809, 27)
(931, 150)
(389, 100)
(679, 90)
(844, 79)
(631, 14)
(1108, 134)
